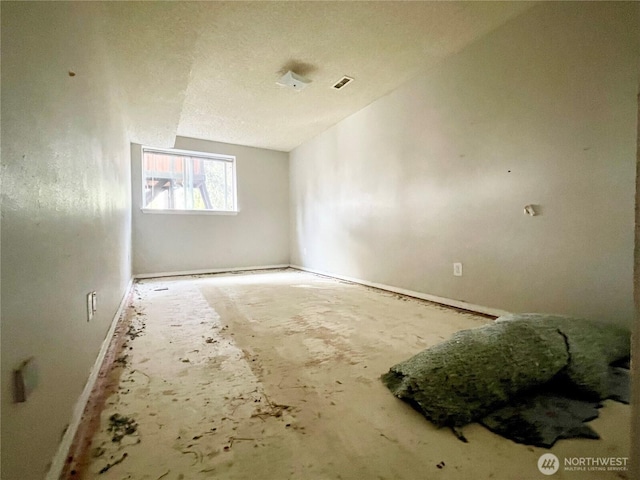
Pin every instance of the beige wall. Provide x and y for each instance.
(635, 352)
(65, 218)
(541, 111)
(256, 236)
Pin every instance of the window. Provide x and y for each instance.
(179, 180)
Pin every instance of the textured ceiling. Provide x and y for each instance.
(209, 69)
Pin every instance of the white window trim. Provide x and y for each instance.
(189, 212)
(191, 153)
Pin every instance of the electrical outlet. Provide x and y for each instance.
(94, 301)
(89, 306)
(25, 380)
(457, 269)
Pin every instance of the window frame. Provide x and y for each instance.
(190, 153)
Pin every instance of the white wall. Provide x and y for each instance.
(66, 217)
(541, 111)
(256, 236)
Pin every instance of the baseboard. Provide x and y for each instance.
(494, 312)
(58, 462)
(206, 271)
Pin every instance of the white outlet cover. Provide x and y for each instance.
(94, 301)
(89, 306)
(457, 269)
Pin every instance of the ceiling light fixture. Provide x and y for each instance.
(293, 80)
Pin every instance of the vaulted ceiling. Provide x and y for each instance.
(209, 69)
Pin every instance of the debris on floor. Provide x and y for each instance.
(135, 330)
(542, 419)
(282, 382)
(120, 426)
(495, 372)
(110, 465)
(121, 360)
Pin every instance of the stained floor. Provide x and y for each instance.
(275, 375)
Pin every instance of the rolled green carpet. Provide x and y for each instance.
(479, 370)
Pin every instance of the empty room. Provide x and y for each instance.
(319, 240)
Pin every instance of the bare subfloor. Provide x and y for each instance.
(275, 375)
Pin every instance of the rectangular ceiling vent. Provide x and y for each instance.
(342, 82)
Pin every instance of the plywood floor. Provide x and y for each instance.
(275, 375)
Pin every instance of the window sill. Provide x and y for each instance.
(188, 212)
